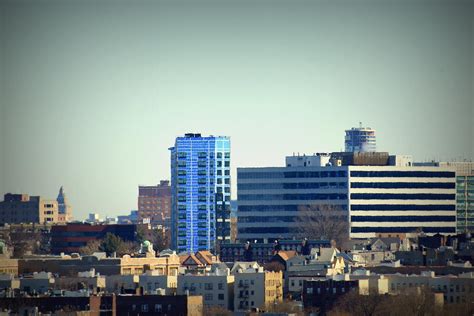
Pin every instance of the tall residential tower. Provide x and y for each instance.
(200, 192)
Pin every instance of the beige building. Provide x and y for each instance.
(9, 266)
(118, 283)
(254, 287)
(72, 265)
(90, 281)
(454, 289)
(22, 208)
(216, 287)
(154, 283)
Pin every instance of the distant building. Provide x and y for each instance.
(179, 305)
(71, 237)
(360, 139)
(256, 288)
(377, 198)
(93, 218)
(263, 252)
(324, 293)
(22, 208)
(464, 192)
(154, 203)
(71, 265)
(200, 185)
(216, 287)
(64, 208)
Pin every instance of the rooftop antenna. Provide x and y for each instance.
(360, 124)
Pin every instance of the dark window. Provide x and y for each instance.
(402, 174)
(404, 185)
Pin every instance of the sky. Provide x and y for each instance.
(93, 93)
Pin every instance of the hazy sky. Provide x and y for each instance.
(92, 95)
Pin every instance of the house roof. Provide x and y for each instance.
(205, 256)
(386, 240)
(192, 260)
(327, 254)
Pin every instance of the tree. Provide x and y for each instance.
(160, 238)
(110, 244)
(285, 307)
(91, 247)
(323, 221)
(355, 304)
(274, 266)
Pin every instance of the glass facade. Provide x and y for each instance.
(360, 139)
(200, 189)
(465, 203)
(270, 198)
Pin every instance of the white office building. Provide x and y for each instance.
(377, 199)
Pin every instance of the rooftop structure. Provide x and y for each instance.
(360, 139)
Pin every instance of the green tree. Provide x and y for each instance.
(110, 244)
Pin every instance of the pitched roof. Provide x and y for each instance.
(327, 254)
(192, 260)
(205, 255)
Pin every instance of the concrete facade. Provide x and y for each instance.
(376, 199)
(22, 208)
(256, 288)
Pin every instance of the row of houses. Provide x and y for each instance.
(245, 286)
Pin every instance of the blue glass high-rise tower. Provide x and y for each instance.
(200, 192)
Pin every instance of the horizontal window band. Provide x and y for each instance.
(402, 207)
(402, 229)
(402, 174)
(403, 218)
(402, 196)
(404, 185)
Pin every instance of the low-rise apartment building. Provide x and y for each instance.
(22, 208)
(254, 287)
(216, 288)
(71, 265)
(154, 283)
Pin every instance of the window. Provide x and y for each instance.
(309, 290)
(158, 308)
(145, 308)
(220, 286)
(208, 286)
(208, 297)
(220, 297)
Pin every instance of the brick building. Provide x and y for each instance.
(154, 203)
(71, 237)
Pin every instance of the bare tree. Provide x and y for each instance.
(91, 247)
(274, 266)
(323, 221)
(285, 307)
(355, 304)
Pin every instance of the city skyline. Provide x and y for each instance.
(92, 96)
